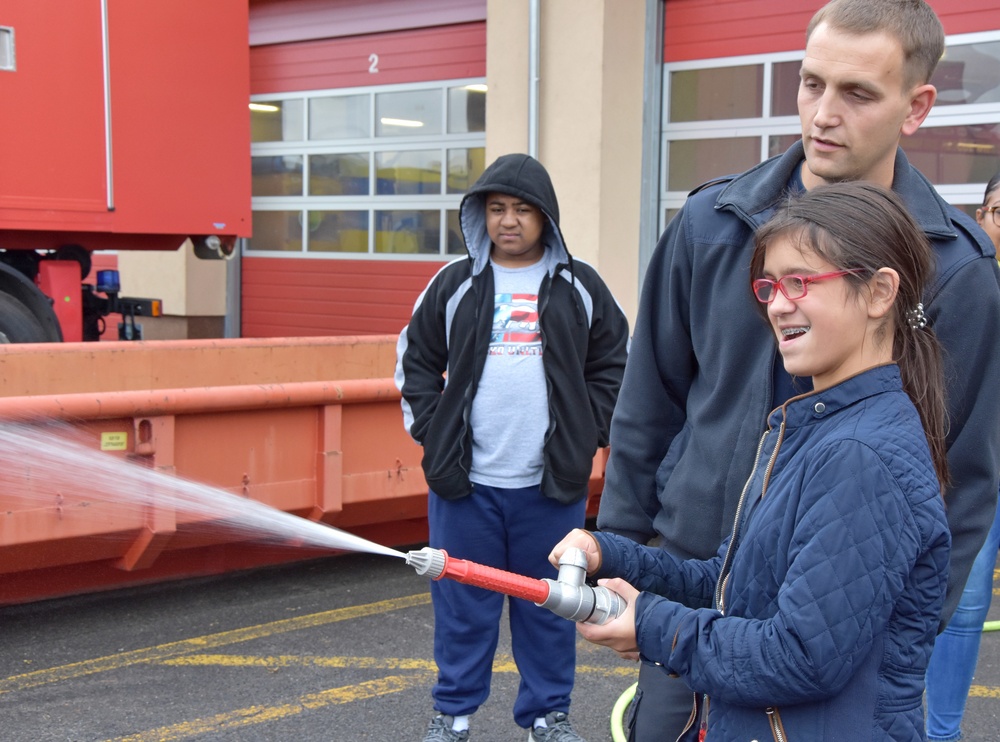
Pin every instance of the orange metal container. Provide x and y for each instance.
(310, 426)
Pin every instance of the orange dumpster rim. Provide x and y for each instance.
(157, 402)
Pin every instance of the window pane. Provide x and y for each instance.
(276, 230)
(279, 175)
(455, 244)
(692, 162)
(969, 73)
(969, 209)
(778, 145)
(718, 93)
(338, 231)
(955, 154)
(464, 168)
(408, 173)
(338, 175)
(467, 109)
(408, 114)
(276, 121)
(340, 117)
(406, 231)
(785, 88)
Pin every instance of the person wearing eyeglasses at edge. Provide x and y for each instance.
(701, 378)
(956, 653)
(816, 618)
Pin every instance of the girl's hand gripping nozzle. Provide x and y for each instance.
(568, 596)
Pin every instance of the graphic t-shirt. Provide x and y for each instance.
(510, 412)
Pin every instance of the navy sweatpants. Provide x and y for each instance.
(514, 530)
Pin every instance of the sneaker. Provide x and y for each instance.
(558, 730)
(439, 730)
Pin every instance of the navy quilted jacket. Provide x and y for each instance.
(824, 602)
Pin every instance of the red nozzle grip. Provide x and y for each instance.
(497, 580)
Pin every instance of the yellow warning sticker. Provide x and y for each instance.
(112, 441)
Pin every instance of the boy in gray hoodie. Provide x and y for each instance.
(509, 371)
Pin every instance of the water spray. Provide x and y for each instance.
(58, 458)
(568, 595)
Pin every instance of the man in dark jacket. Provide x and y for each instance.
(509, 371)
(703, 371)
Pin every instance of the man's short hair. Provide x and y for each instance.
(913, 22)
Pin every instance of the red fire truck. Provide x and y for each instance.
(124, 126)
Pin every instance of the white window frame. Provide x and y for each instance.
(443, 202)
(963, 194)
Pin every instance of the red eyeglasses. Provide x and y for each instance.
(793, 287)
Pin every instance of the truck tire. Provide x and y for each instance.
(26, 314)
(18, 324)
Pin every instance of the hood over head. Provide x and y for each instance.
(521, 176)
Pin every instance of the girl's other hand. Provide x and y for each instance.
(581, 539)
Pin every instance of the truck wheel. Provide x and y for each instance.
(18, 324)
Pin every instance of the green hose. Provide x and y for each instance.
(618, 714)
(991, 626)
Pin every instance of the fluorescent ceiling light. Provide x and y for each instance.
(477, 88)
(264, 107)
(401, 122)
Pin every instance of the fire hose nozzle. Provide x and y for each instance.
(428, 561)
(568, 596)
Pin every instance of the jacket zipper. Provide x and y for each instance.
(720, 588)
(691, 719)
(777, 728)
(736, 522)
(543, 303)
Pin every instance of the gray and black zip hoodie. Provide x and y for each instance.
(442, 351)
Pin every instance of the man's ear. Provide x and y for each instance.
(884, 286)
(922, 100)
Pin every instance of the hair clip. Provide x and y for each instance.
(915, 318)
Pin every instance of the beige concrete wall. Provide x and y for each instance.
(192, 290)
(590, 119)
(187, 284)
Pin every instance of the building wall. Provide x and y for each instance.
(324, 295)
(702, 29)
(589, 117)
(590, 112)
(413, 55)
(589, 120)
(286, 297)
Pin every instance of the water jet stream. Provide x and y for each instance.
(54, 465)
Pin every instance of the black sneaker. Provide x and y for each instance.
(439, 730)
(558, 730)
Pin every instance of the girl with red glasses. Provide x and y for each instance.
(816, 618)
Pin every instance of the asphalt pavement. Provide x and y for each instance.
(333, 649)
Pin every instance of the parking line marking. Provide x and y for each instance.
(503, 663)
(984, 691)
(187, 646)
(263, 714)
(356, 663)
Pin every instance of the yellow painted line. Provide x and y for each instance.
(266, 714)
(984, 691)
(281, 661)
(163, 652)
(503, 664)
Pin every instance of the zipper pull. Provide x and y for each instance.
(703, 726)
